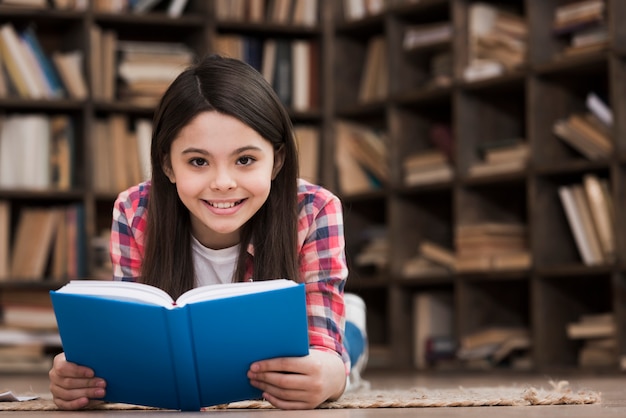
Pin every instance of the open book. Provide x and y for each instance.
(182, 354)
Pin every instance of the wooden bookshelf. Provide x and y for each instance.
(525, 102)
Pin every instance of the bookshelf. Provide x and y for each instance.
(521, 102)
(424, 100)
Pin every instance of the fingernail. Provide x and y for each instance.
(99, 393)
(100, 383)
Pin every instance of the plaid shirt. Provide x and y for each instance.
(321, 253)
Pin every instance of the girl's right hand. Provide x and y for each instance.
(73, 386)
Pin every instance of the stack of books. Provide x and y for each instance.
(501, 157)
(427, 167)
(589, 132)
(498, 41)
(584, 23)
(491, 246)
(599, 343)
(148, 68)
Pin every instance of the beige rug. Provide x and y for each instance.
(556, 394)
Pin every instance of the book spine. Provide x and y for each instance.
(183, 358)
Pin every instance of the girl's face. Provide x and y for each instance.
(223, 170)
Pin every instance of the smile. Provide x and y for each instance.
(224, 205)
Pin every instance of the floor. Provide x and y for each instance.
(612, 388)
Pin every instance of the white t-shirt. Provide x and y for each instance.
(213, 266)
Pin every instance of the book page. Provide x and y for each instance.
(128, 291)
(218, 291)
(143, 293)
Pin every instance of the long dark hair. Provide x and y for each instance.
(236, 89)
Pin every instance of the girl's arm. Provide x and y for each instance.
(306, 382)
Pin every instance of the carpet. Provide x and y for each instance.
(559, 393)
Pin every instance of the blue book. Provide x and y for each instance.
(183, 354)
(52, 78)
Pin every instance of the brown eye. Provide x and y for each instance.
(198, 162)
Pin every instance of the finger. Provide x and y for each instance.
(280, 364)
(286, 404)
(71, 405)
(264, 380)
(63, 368)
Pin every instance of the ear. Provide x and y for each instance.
(167, 168)
(279, 160)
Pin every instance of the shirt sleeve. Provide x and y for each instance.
(127, 233)
(324, 271)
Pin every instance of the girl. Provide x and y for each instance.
(224, 204)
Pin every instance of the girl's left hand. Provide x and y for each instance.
(300, 382)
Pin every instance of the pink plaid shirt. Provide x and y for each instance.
(321, 245)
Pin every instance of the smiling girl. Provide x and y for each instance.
(224, 204)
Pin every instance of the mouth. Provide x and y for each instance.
(224, 205)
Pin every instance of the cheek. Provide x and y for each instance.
(189, 185)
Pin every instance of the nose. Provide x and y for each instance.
(222, 179)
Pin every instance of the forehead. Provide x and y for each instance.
(214, 130)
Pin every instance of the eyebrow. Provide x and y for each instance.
(192, 150)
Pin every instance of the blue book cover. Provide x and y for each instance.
(186, 354)
(52, 77)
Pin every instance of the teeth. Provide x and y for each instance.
(222, 205)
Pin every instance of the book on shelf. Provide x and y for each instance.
(426, 35)
(374, 83)
(305, 12)
(579, 220)
(175, 8)
(592, 147)
(580, 123)
(433, 316)
(496, 36)
(19, 68)
(183, 359)
(491, 246)
(601, 214)
(361, 157)
(35, 4)
(146, 69)
(307, 143)
(577, 15)
(62, 151)
(26, 137)
(70, 67)
(48, 243)
(103, 62)
(34, 238)
(500, 157)
(484, 168)
(419, 266)
(374, 253)
(599, 108)
(121, 153)
(601, 325)
(506, 150)
(359, 9)
(425, 167)
(437, 254)
(5, 239)
(492, 335)
(41, 63)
